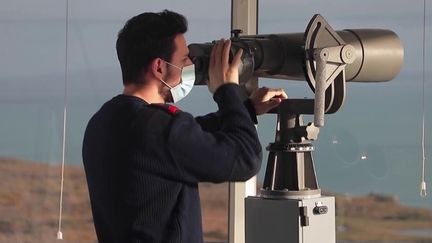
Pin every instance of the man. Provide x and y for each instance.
(143, 159)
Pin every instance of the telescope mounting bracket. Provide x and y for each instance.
(326, 58)
(290, 171)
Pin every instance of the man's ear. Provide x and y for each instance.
(158, 68)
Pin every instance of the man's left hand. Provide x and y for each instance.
(264, 99)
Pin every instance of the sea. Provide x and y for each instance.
(373, 144)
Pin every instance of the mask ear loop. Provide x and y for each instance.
(172, 65)
(169, 86)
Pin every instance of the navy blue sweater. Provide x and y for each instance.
(143, 164)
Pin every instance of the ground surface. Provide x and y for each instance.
(29, 210)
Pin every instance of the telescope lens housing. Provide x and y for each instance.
(379, 53)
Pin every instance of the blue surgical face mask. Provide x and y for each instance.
(186, 82)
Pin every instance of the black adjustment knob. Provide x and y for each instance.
(235, 33)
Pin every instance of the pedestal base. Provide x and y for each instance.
(309, 220)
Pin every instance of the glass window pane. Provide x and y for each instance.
(31, 103)
(32, 70)
(96, 76)
(368, 154)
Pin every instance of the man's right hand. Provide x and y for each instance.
(220, 70)
(264, 99)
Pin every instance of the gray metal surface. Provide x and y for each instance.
(380, 55)
(280, 221)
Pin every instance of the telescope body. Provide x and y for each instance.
(379, 55)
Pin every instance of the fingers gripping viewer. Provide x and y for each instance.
(144, 159)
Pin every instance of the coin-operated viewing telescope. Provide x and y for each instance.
(290, 207)
(377, 54)
(356, 55)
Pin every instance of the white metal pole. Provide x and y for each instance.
(244, 16)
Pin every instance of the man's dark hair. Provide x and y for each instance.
(145, 37)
